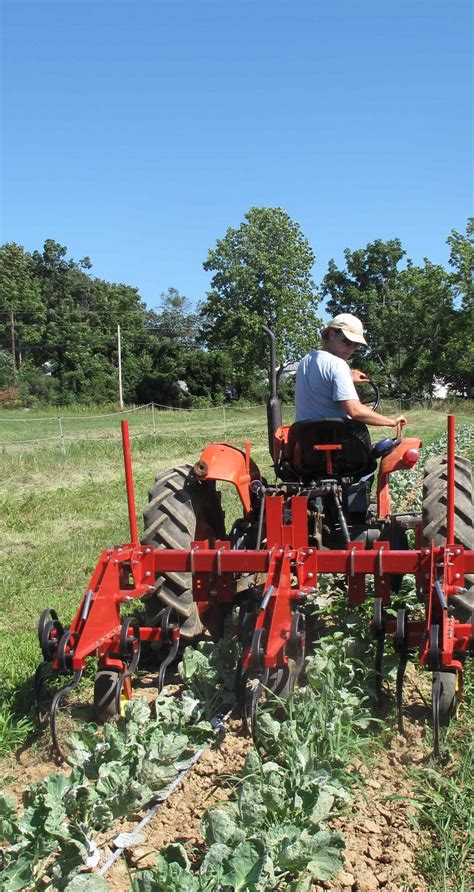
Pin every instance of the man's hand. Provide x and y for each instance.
(399, 421)
(359, 377)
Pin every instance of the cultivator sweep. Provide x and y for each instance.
(318, 520)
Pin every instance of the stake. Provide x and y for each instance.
(450, 493)
(127, 459)
(61, 436)
(119, 352)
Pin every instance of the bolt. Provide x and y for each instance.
(147, 550)
(457, 576)
(147, 573)
(309, 575)
(310, 550)
(151, 588)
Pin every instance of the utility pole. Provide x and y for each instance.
(12, 330)
(119, 350)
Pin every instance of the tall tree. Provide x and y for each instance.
(460, 365)
(406, 312)
(262, 274)
(175, 319)
(21, 309)
(80, 340)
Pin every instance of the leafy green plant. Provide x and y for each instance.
(116, 770)
(274, 833)
(208, 670)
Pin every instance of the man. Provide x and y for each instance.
(325, 383)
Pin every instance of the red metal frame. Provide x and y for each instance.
(291, 566)
(127, 458)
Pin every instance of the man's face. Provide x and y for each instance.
(339, 345)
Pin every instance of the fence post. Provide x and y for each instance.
(153, 421)
(61, 435)
(225, 425)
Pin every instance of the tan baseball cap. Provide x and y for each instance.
(350, 325)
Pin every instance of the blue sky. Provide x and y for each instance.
(137, 132)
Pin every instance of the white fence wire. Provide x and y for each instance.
(149, 419)
(153, 419)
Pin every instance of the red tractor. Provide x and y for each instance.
(316, 518)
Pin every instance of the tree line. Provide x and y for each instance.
(58, 323)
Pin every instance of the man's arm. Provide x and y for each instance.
(359, 412)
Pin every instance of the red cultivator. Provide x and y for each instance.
(316, 519)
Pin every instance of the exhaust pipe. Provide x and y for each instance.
(274, 401)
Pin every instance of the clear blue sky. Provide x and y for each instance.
(137, 132)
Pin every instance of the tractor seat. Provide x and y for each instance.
(301, 461)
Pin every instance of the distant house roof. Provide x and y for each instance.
(290, 369)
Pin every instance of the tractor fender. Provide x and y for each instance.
(226, 462)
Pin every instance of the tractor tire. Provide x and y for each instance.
(105, 685)
(180, 510)
(434, 518)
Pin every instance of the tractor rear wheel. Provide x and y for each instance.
(434, 529)
(434, 518)
(181, 508)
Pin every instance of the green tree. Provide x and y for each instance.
(80, 339)
(21, 309)
(407, 314)
(262, 274)
(175, 320)
(459, 370)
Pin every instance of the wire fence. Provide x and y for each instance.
(22, 433)
(18, 434)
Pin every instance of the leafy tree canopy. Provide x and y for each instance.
(175, 320)
(407, 314)
(262, 274)
(460, 345)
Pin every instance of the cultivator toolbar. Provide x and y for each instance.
(269, 584)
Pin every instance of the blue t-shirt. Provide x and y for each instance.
(321, 381)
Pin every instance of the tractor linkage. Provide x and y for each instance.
(271, 624)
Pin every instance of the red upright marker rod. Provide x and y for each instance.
(127, 459)
(450, 494)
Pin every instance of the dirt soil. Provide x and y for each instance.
(179, 818)
(381, 843)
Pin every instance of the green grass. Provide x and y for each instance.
(444, 814)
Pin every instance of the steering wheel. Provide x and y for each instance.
(369, 393)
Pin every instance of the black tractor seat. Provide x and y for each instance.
(301, 461)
